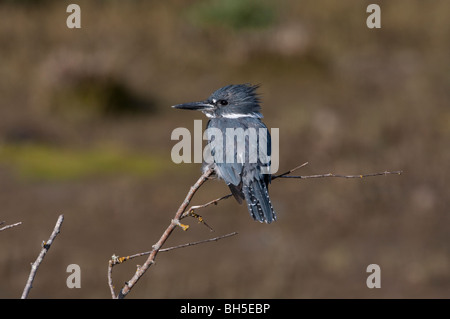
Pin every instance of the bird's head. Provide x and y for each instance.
(231, 101)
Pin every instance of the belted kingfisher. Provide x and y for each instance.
(237, 107)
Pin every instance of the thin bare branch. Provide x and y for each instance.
(343, 176)
(199, 242)
(118, 260)
(45, 247)
(290, 171)
(9, 226)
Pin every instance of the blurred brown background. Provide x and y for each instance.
(85, 128)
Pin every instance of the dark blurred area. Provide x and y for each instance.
(85, 126)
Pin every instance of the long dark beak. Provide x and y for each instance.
(202, 105)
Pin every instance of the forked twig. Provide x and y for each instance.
(290, 171)
(119, 260)
(193, 208)
(157, 247)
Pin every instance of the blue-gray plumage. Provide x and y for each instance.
(232, 110)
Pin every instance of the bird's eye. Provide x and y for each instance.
(223, 102)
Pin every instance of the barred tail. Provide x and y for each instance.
(258, 201)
